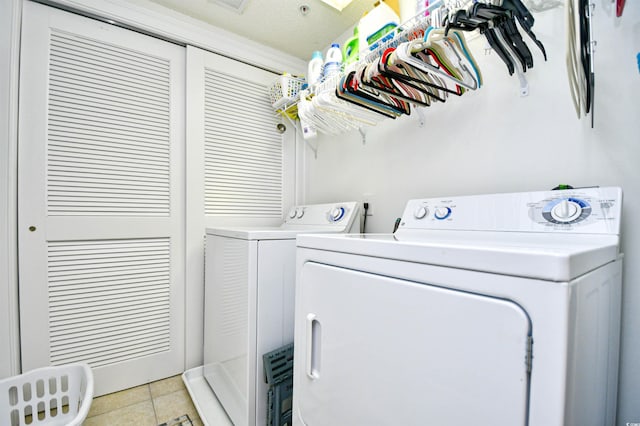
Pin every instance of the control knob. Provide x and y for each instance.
(566, 211)
(442, 213)
(300, 213)
(336, 214)
(420, 212)
(293, 212)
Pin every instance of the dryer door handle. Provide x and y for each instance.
(314, 334)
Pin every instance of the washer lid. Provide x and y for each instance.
(547, 256)
(268, 233)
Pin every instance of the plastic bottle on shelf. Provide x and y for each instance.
(333, 64)
(314, 74)
(350, 50)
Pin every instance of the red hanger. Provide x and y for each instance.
(619, 7)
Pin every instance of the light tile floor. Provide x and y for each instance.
(147, 405)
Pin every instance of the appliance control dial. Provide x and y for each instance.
(300, 213)
(293, 212)
(336, 214)
(442, 213)
(420, 212)
(566, 210)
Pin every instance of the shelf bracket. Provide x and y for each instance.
(363, 134)
(299, 134)
(421, 118)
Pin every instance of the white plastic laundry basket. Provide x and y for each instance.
(52, 396)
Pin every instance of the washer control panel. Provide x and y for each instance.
(322, 214)
(584, 210)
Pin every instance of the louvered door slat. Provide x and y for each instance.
(121, 52)
(106, 317)
(105, 121)
(243, 162)
(115, 178)
(65, 69)
(100, 57)
(87, 111)
(94, 162)
(68, 94)
(73, 84)
(82, 303)
(117, 150)
(114, 323)
(67, 106)
(108, 140)
(133, 189)
(257, 120)
(222, 150)
(117, 154)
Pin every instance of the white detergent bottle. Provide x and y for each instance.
(333, 64)
(314, 74)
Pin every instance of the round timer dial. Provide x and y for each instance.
(566, 210)
(442, 213)
(336, 214)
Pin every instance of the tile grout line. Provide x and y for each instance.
(153, 404)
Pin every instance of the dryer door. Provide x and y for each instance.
(373, 350)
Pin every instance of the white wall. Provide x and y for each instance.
(493, 140)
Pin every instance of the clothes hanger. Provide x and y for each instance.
(586, 54)
(467, 52)
(437, 58)
(570, 59)
(376, 93)
(328, 102)
(322, 121)
(483, 17)
(525, 19)
(512, 38)
(454, 52)
(349, 91)
(491, 20)
(430, 59)
(430, 84)
(373, 77)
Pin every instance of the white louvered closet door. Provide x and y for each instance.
(101, 185)
(248, 166)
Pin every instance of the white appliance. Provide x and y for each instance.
(249, 302)
(493, 310)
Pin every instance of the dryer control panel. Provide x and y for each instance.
(583, 210)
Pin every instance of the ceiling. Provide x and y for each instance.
(278, 23)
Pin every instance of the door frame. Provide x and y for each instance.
(9, 79)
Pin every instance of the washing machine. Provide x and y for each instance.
(490, 310)
(249, 302)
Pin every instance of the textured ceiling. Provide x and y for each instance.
(278, 23)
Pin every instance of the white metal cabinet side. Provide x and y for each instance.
(274, 310)
(229, 319)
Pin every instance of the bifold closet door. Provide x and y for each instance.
(247, 164)
(101, 187)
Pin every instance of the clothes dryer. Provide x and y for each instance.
(493, 310)
(249, 302)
